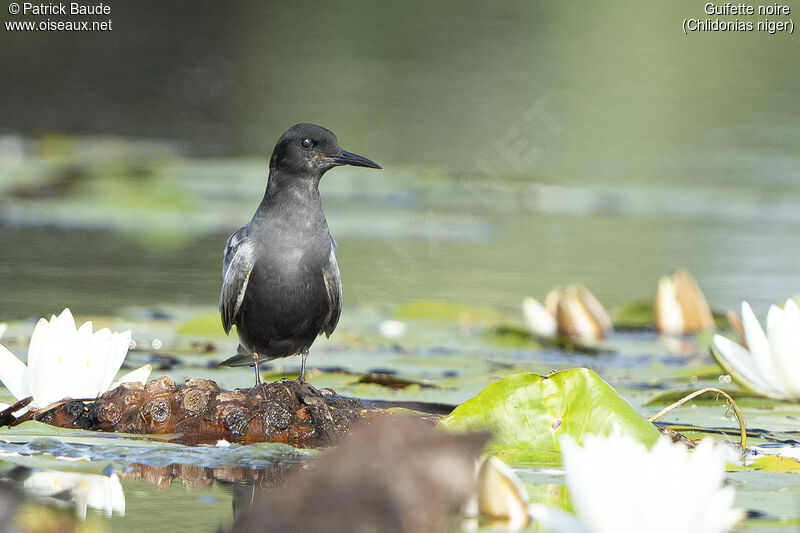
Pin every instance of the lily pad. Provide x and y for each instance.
(774, 463)
(637, 313)
(528, 414)
(204, 325)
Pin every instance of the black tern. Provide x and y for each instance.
(281, 285)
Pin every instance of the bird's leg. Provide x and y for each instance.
(304, 354)
(255, 362)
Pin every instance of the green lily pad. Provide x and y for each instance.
(710, 371)
(511, 336)
(636, 313)
(528, 414)
(774, 463)
(203, 325)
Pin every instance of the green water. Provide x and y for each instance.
(524, 144)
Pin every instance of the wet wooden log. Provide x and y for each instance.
(199, 412)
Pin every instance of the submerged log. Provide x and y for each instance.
(199, 412)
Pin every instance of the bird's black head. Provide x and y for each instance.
(311, 150)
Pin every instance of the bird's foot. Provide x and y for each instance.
(305, 384)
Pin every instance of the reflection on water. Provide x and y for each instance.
(151, 493)
(103, 493)
(195, 476)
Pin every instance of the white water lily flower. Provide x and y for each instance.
(500, 494)
(573, 311)
(580, 314)
(770, 364)
(680, 307)
(537, 318)
(87, 490)
(65, 361)
(617, 485)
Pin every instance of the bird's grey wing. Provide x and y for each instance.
(237, 264)
(333, 284)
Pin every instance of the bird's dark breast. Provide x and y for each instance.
(285, 305)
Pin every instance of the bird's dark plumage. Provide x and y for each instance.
(281, 285)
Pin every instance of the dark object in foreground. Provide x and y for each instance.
(199, 412)
(281, 285)
(398, 475)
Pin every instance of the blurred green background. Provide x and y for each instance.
(525, 145)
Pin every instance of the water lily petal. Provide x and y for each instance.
(44, 373)
(139, 375)
(3, 329)
(14, 374)
(739, 362)
(537, 319)
(758, 344)
(792, 315)
(66, 322)
(579, 314)
(551, 300)
(117, 349)
(75, 376)
(784, 340)
(501, 494)
(39, 339)
(617, 485)
(100, 365)
(694, 307)
(667, 314)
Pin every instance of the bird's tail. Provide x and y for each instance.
(243, 357)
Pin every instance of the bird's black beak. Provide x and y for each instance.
(349, 158)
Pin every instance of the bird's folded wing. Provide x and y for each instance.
(333, 284)
(238, 261)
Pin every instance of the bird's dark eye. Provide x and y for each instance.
(307, 143)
